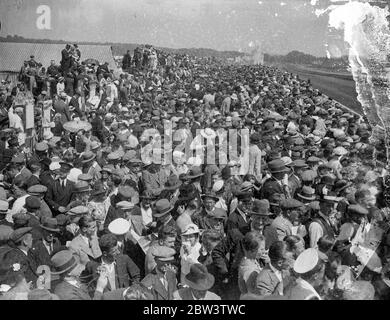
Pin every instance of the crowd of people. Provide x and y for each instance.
(188, 179)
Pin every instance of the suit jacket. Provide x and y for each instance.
(267, 283)
(237, 222)
(186, 294)
(16, 255)
(126, 271)
(40, 253)
(61, 107)
(270, 187)
(66, 291)
(57, 196)
(153, 283)
(84, 252)
(32, 181)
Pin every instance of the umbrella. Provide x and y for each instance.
(91, 61)
(76, 125)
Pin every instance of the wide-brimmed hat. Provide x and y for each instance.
(63, 261)
(210, 194)
(50, 224)
(194, 173)
(307, 193)
(276, 166)
(161, 208)
(88, 156)
(260, 208)
(199, 278)
(172, 183)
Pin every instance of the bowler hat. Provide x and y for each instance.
(277, 166)
(199, 278)
(194, 173)
(172, 183)
(161, 208)
(260, 208)
(50, 224)
(32, 203)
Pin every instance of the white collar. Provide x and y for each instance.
(86, 239)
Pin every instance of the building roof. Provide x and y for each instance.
(14, 54)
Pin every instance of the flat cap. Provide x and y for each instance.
(5, 232)
(32, 202)
(313, 159)
(18, 234)
(299, 163)
(37, 189)
(163, 253)
(291, 204)
(18, 159)
(119, 226)
(20, 218)
(85, 177)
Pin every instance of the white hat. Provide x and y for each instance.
(190, 229)
(286, 160)
(306, 261)
(218, 185)
(119, 226)
(54, 166)
(48, 135)
(340, 151)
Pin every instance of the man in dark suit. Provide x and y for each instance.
(20, 253)
(35, 168)
(119, 268)
(66, 59)
(59, 194)
(74, 104)
(43, 249)
(162, 282)
(239, 219)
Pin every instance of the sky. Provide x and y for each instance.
(278, 26)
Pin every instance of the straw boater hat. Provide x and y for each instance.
(63, 261)
(50, 224)
(306, 194)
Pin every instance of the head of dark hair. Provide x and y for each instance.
(250, 242)
(107, 242)
(167, 231)
(84, 220)
(277, 250)
(291, 241)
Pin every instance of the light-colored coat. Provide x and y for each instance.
(84, 252)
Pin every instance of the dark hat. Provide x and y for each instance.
(172, 183)
(244, 196)
(37, 189)
(260, 208)
(18, 234)
(299, 163)
(324, 167)
(62, 220)
(199, 278)
(194, 173)
(327, 180)
(357, 209)
(63, 261)
(161, 208)
(32, 203)
(210, 194)
(78, 211)
(255, 138)
(163, 253)
(82, 186)
(98, 190)
(50, 224)
(307, 193)
(65, 167)
(187, 192)
(268, 127)
(291, 204)
(341, 185)
(276, 166)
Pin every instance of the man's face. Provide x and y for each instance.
(28, 240)
(169, 242)
(111, 253)
(246, 205)
(209, 204)
(190, 239)
(257, 223)
(90, 229)
(49, 236)
(199, 294)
